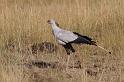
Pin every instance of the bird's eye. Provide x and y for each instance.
(48, 21)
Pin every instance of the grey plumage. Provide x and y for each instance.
(62, 36)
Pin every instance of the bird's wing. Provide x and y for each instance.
(66, 36)
(86, 37)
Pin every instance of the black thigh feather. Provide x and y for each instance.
(68, 47)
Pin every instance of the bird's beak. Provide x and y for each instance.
(48, 21)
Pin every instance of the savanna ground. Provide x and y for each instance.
(24, 22)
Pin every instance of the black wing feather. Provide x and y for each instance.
(86, 37)
(83, 39)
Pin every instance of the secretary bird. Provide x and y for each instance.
(66, 38)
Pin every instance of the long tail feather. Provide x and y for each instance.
(104, 49)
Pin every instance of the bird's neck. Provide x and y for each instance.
(55, 27)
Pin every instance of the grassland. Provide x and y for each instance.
(24, 22)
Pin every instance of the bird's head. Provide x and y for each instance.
(52, 21)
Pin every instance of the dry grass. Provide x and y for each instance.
(23, 22)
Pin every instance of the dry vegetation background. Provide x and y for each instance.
(24, 22)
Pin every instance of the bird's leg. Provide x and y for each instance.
(67, 62)
(68, 47)
(72, 53)
(73, 61)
